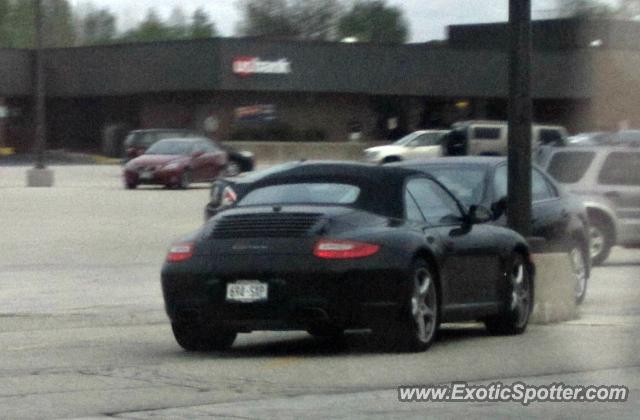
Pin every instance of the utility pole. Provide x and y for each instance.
(39, 176)
(520, 110)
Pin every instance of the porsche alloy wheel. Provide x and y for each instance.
(519, 302)
(420, 321)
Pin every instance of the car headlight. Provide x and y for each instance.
(171, 166)
(247, 154)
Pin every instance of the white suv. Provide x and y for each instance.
(607, 179)
(417, 145)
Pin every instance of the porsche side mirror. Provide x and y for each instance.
(479, 214)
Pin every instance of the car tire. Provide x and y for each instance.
(233, 168)
(193, 337)
(518, 300)
(601, 240)
(130, 185)
(579, 265)
(420, 317)
(185, 179)
(326, 331)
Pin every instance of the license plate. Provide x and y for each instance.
(146, 175)
(247, 291)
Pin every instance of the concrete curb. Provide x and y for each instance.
(554, 289)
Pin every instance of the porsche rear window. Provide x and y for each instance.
(302, 193)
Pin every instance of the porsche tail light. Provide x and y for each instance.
(341, 249)
(180, 252)
(228, 196)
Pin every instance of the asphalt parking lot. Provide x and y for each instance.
(83, 331)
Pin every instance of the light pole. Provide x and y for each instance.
(520, 110)
(39, 176)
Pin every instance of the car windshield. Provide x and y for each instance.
(303, 193)
(466, 183)
(170, 147)
(569, 167)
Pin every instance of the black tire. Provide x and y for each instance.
(518, 300)
(233, 168)
(420, 317)
(326, 331)
(185, 179)
(578, 256)
(601, 240)
(192, 337)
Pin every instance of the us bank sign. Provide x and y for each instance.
(246, 66)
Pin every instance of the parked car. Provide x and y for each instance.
(176, 163)
(607, 179)
(336, 246)
(489, 138)
(557, 217)
(417, 145)
(138, 141)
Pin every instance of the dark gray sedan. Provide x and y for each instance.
(557, 217)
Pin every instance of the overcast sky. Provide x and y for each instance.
(428, 18)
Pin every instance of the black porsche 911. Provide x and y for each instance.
(327, 246)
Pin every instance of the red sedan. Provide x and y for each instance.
(176, 163)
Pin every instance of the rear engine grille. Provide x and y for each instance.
(271, 225)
